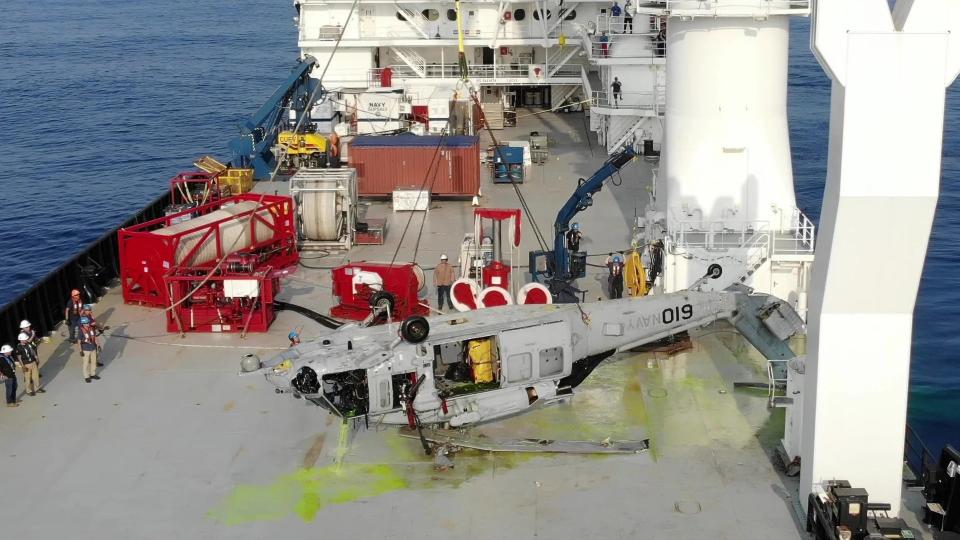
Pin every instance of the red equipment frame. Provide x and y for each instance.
(400, 280)
(180, 184)
(145, 257)
(203, 306)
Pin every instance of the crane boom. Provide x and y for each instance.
(558, 273)
(258, 134)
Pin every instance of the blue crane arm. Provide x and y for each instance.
(581, 199)
(259, 132)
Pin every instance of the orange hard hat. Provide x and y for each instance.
(75, 292)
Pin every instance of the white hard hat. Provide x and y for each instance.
(443, 257)
(23, 337)
(24, 324)
(6, 349)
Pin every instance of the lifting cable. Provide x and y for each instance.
(426, 178)
(465, 78)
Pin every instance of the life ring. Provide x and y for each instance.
(463, 294)
(534, 293)
(507, 15)
(494, 297)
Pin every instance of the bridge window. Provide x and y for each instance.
(451, 14)
(430, 14)
(519, 14)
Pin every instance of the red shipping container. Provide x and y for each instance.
(386, 163)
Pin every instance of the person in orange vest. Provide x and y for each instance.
(443, 279)
(71, 314)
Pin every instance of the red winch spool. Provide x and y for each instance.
(359, 285)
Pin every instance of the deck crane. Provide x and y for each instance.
(258, 134)
(559, 268)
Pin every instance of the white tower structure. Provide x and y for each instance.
(725, 189)
(877, 203)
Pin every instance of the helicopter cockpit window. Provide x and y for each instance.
(465, 367)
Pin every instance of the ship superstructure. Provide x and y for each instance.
(396, 64)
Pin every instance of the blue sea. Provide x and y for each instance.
(102, 101)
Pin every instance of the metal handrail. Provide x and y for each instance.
(452, 71)
(600, 49)
(714, 7)
(643, 101)
(916, 456)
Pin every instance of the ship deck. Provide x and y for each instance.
(172, 442)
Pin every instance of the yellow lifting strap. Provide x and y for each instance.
(634, 274)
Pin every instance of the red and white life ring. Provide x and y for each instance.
(494, 297)
(534, 293)
(463, 294)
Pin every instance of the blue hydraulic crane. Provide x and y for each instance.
(259, 132)
(562, 267)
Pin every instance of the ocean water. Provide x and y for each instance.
(102, 101)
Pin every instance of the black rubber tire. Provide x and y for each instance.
(378, 298)
(714, 271)
(415, 329)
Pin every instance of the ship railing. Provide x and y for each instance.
(91, 270)
(917, 459)
(620, 48)
(427, 32)
(484, 71)
(653, 102)
(715, 235)
(796, 234)
(777, 383)
(639, 26)
(715, 8)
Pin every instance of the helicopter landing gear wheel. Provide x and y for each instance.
(415, 329)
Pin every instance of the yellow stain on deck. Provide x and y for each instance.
(305, 492)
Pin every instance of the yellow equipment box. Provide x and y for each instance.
(232, 181)
(302, 143)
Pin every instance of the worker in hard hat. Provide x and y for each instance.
(615, 279)
(71, 314)
(8, 374)
(87, 311)
(29, 362)
(27, 328)
(294, 338)
(443, 279)
(573, 238)
(89, 349)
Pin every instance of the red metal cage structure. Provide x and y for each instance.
(237, 297)
(251, 223)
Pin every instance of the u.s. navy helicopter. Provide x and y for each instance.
(466, 368)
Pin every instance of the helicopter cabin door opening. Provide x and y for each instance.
(466, 367)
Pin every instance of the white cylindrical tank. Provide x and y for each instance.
(232, 235)
(727, 148)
